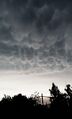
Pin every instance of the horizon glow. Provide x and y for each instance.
(13, 83)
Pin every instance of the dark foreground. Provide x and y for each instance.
(22, 107)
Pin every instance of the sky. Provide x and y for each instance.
(35, 44)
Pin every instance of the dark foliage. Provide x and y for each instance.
(20, 106)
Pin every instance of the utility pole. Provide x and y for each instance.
(42, 99)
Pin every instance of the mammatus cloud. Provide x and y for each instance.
(35, 35)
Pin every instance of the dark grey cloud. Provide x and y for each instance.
(35, 35)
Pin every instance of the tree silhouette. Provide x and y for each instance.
(58, 101)
(54, 91)
(68, 90)
(69, 98)
(21, 106)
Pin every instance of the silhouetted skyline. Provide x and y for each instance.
(20, 106)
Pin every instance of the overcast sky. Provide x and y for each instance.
(36, 36)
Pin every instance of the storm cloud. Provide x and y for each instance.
(35, 35)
